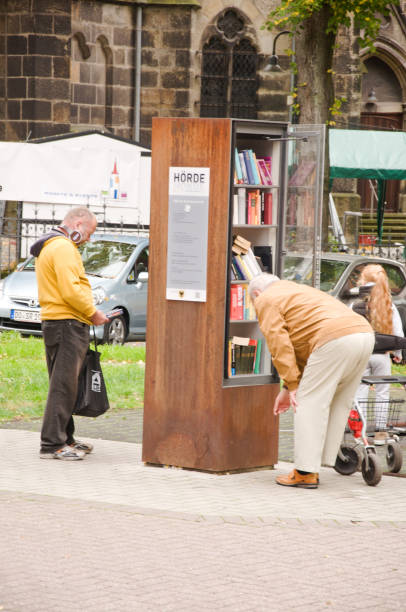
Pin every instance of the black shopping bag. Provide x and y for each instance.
(92, 400)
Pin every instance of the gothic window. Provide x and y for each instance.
(229, 70)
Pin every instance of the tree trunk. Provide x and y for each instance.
(315, 89)
(314, 56)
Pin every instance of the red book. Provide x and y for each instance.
(268, 209)
(236, 303)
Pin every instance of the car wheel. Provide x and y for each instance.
(115, 331)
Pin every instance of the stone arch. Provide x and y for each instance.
(391, 56)
(82, 44)
(229, 64)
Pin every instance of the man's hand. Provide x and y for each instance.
(99, 318)
(284, 400)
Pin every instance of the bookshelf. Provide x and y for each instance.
(260, 230)
(196, 415)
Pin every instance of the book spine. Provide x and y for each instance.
(255, 167)
(258, 357)
(265, 171)
(268, 209)
(262, 208)
(248, 166)
(250, 260)
(240, 303)
(237, 166)
(239, 267)
(268, 164)
(244, 267)
(233, 303)
(232, 359)
(257, 207)
(262, 176)
(242, 206)
(251, 205)
(243, 168)
(235, 209)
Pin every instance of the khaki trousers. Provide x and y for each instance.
(325, 394)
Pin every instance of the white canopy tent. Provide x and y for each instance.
(109, 174)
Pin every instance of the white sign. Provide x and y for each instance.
(188, 219)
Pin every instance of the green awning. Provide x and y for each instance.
(367, 154)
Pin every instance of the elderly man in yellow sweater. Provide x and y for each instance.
(67, 310)
(320, 349)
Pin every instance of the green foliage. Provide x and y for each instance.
(24, 377)
(364, 14)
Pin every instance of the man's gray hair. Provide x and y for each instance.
(261, 282)
(79, 212)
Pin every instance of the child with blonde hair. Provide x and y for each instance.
(376, 305)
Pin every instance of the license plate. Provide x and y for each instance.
(25, 315)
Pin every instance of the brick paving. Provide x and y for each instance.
(109, 533)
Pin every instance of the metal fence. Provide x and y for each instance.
(18, 233)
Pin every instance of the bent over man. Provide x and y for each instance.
(320, 349)
(67, 310)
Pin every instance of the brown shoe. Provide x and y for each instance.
(304, 481)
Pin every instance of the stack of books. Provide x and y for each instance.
(250, 169)
(244, 264)
(244, 356)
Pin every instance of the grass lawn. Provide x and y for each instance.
(24, 376)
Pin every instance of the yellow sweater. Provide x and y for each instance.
(296, 319)
(64, 291)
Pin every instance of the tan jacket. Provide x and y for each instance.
(64, 291)
(296, 319)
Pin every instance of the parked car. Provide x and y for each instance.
(339, 273)
(117, 269)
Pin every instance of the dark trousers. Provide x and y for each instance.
(66, 343)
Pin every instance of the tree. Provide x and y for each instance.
(315, 24)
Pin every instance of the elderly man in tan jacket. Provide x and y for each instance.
(320, 348)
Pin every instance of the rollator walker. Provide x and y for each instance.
(360, 453)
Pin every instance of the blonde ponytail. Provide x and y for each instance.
(379, 306)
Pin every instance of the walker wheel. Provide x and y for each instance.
(373, 473)
(394, 456)
(350, 463)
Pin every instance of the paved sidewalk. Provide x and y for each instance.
(110, 533)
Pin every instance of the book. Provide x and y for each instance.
(257, 180)
(251, 262)
(232, 359)
(251, 355)
(236, 303)
(248, 275)
(242, 242)
(254, 163)
(235, 209)
(248, 166)
(239, 268)
(257, 207)
(242, 206)
(251, 207)
(243, 168)
(268, 164)
(264, 164)
(267, 209)
(257, 361)
(237, 167)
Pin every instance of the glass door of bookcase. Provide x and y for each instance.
(303, 213)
